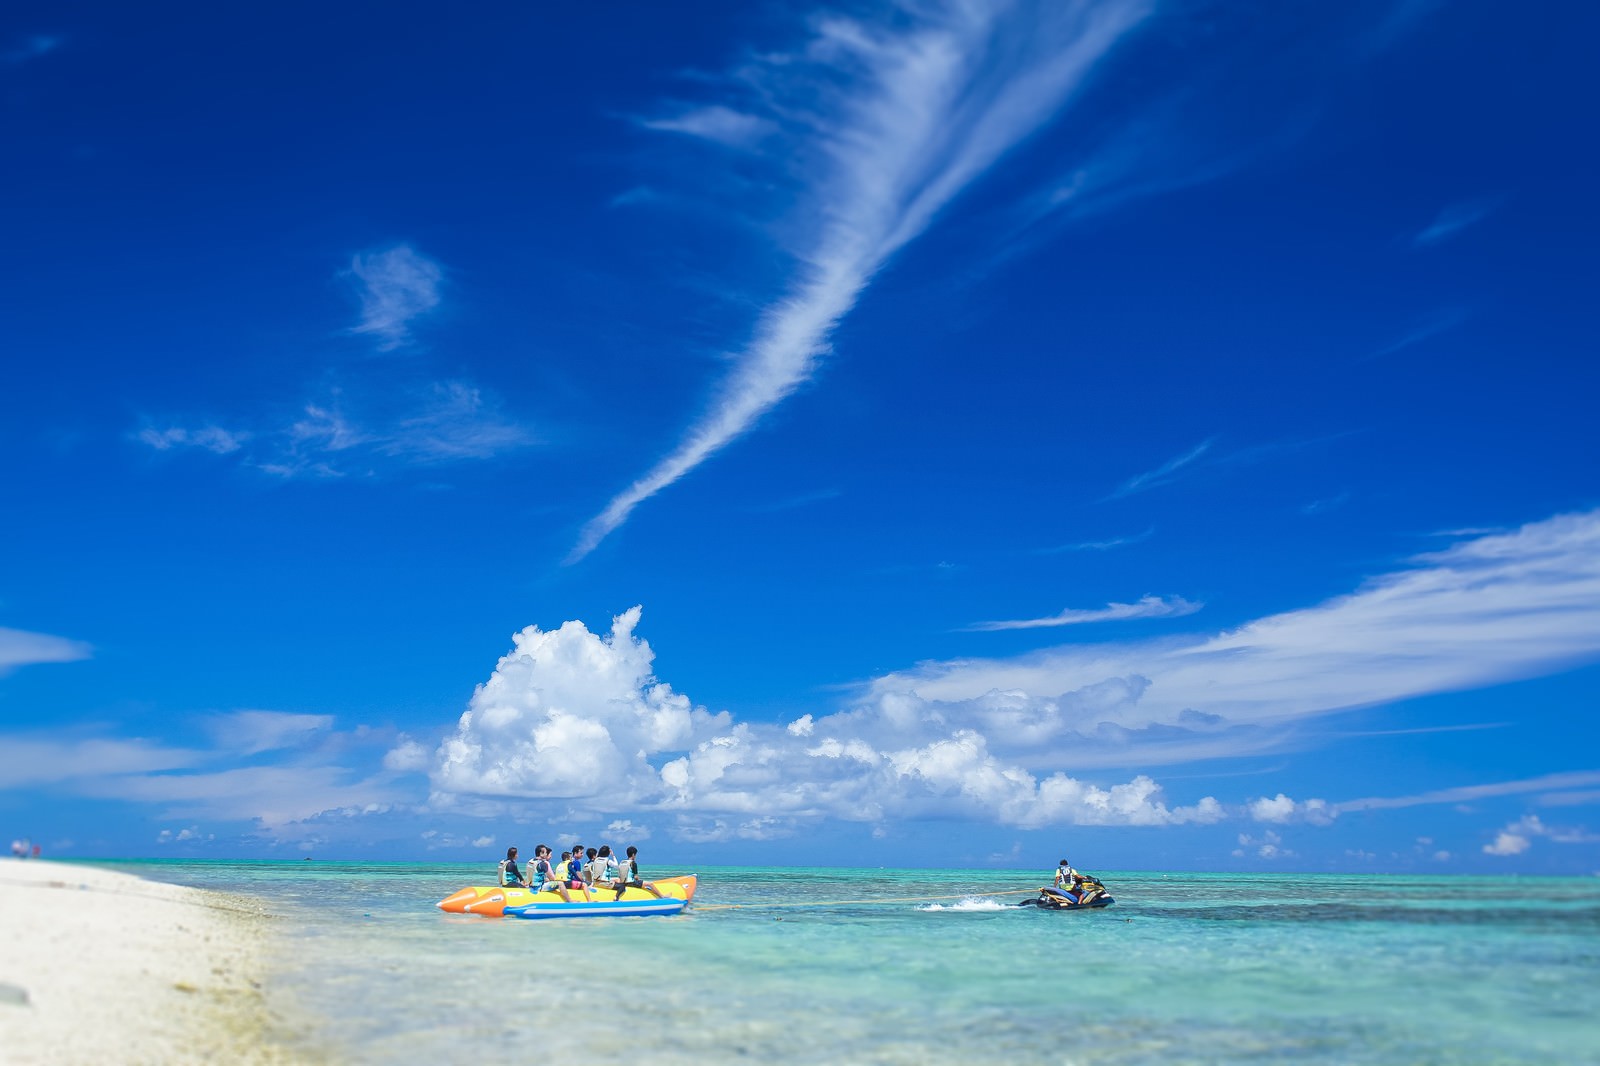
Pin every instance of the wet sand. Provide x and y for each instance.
(98, 966)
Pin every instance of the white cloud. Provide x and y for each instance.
(277, 798)
(252, 732)
(184, 836)
(1517, 837)
(1100, 545)
(18, 647)
(1424, 329)
(1487, 610)
(1545, 783)
(397, 285)
(1161, 474)
(406, 756)
(456, 421)
(1454, 218)
(31, 761)
(1507, 843)
(574, 716)
(212, 439)
(626, 829)
(568, 713)
(31, 47)
(913, 113)
(1147, 607)
(1267, 846)
(1272, 810)
(482, 842)
(310, 781)
(437, 423)
(1281, 810)
(716, 123)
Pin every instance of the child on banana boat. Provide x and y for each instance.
(578, 870)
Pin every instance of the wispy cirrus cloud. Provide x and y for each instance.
(31, 760)
(206, 438)
(397, 285)
(1577, 779)
(716, 123)
(1147, 607)
(367, 420)
(1487, 610)
(29, 48)
(360, 432)
(1162, 474)
(1423, 329)
(911, 112)
(18, 647)
(1100, 545)
(1454, 218)
(253, 732)
(305, 773)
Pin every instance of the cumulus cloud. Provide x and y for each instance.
(1518, 836)
(1269, 845)
(912, 111)
(397, 285)
(1147, 607)
(406, 756)
(1281, 810)
(575, 716)
(18, 647)
(569, 713)
(192, 834)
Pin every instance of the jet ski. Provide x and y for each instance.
(1088, 893)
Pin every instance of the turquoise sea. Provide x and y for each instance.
(778, 965)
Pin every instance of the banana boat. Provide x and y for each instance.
(495, 902)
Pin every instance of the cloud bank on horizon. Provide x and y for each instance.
(577, 718)
(575, 727)
(918, 108)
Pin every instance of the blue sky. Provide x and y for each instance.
(939, 433)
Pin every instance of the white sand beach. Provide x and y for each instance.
(103, 967)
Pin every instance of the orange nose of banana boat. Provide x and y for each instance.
(489, 901)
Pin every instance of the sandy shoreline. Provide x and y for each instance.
(98, 966)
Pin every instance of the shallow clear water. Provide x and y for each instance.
(863, 966)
